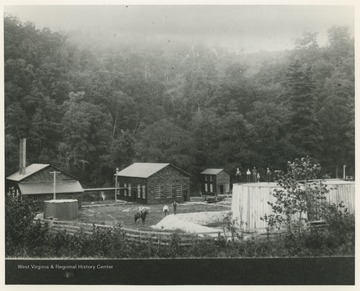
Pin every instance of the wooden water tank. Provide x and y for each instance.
(62, 209)
(250, 201)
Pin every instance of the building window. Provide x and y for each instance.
(205, 177)
(210, 178)
(157, 192)
(206, 187)
(129, 190)
(162, 193)
(178, 191)
(143, 191)
(139, 191)
(211, 188)
(125, 190)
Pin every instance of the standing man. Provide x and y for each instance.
(258, 177)
(165, 210)
(174, 204)
(254, 172)
(248, 174)
(268, 174)
(238, 175)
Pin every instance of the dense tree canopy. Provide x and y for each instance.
(90, 110)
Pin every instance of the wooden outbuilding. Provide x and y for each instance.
(36, 182)
(153, 183)
(215, 181)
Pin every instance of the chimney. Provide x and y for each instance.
(22, 158)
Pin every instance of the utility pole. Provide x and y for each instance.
(116, 172)
(54, 185)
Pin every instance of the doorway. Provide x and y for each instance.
(221, 189)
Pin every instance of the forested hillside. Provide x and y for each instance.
(91, 108)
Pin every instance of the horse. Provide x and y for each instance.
(142, 215)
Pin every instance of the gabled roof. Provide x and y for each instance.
(212, 171)
(32, 169)
(144, 170)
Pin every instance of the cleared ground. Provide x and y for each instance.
(124, 213)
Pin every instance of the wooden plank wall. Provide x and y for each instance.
(250, 201)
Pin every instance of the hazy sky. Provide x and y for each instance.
(252, 28)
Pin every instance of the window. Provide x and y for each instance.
(205, 177)
(178, 190)
(157, 192)
(206, 187)
(210, 178)
(139, 191)
(143, 191)
(162, 191)
(211, 188)
(129, 190)
(125, 190)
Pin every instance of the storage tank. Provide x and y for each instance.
(62, 209)
(250, 201)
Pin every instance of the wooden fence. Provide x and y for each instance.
(135, 236)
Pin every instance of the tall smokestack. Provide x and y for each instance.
(22, 157)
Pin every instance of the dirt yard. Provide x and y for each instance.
(124, 214)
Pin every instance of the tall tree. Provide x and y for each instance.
(304, 128)
(87, 133)
(164, 142)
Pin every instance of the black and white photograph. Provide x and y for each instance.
(179, 144)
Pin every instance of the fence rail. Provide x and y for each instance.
(132, 235)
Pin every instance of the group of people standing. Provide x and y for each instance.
(166, 208)
(254, 175)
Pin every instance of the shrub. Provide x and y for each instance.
(22, 236)
(299, 196)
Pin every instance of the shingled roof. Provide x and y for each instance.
(30, 170)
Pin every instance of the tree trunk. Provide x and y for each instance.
(114, 127)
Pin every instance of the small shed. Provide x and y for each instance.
(36, 182)
(153, 183)
(215, 181)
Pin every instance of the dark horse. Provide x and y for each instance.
(142, 215)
